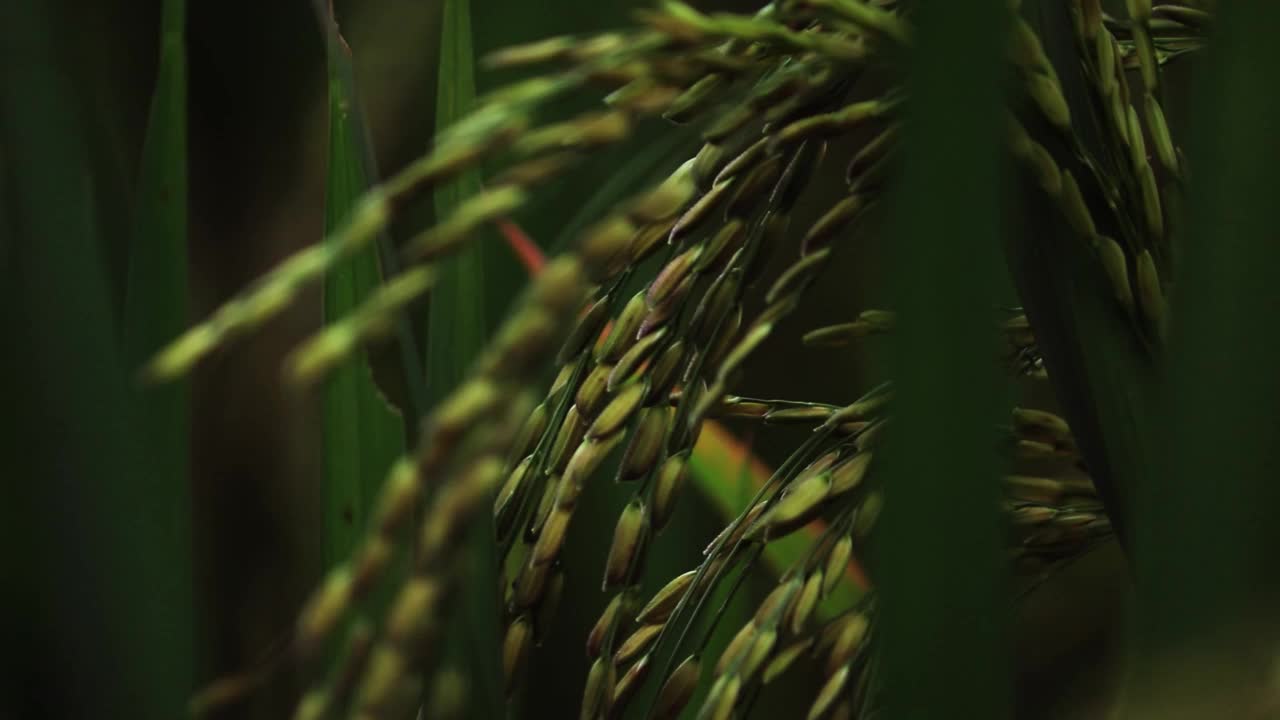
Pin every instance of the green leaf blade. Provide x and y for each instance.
(940, 559)
(1206, 540)
(155, 310)
(363, 433)
(459, 321)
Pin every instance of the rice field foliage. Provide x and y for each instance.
(571, 446)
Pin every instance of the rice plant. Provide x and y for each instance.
(1022, 168)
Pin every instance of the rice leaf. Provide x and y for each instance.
(155, 309)
(155, 301)
(457, 321)
(1206, 543)
(940, 565)
(458, 324)
(363, 433)
(103, 586)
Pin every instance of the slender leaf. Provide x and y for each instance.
(458, 324)
(155, 310)
(156, 295)
(1207, 538)
(457, 319)
(944, 644)
(363, 434)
